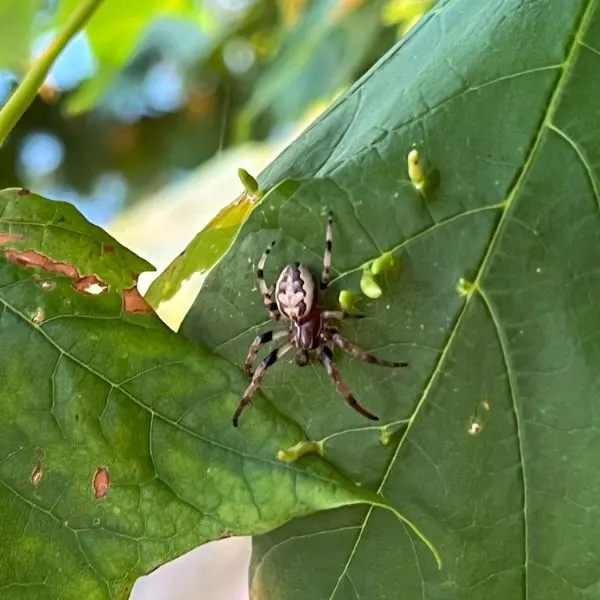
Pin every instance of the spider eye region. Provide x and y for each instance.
(295, 294)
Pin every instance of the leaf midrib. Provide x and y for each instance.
(509, 206)
(273, 463)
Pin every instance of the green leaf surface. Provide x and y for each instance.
(492, 430)
(16, 23)
(117, 451)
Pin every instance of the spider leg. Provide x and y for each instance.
(357, 352)
(258, 343)
(341, 314)
(265, 290)
(270, 360)
(326, 274)
(325, 356)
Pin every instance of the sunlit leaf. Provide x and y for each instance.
(202, 252)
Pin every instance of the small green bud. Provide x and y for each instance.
(465, 288)
(293, 453)
(415, 170)
(368, 285)
(389, 431)
(385, 437)
(346, 300)
(249, 183)
(385, 261)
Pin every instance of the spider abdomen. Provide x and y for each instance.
(295, 292)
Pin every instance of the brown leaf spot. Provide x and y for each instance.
(6, 238)
(35, 260)
(23, 192)
(134, 302)
(90, 285)
(101, 482)
(108, 248)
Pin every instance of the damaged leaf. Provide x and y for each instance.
(53, 241)
(204, 250)
(140, 462)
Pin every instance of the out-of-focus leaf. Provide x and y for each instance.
(16, 29)
(317, 57)
(291, 11)
(117, 451)
(114, 33)
(492, 431)
(405, 13)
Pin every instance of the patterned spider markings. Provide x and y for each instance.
(309, 329)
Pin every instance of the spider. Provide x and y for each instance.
(309, 330)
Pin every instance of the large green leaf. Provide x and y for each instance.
(117, 450)
(497, 450)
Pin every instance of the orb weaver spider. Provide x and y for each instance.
(310, 329)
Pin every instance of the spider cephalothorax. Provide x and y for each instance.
(309, 330)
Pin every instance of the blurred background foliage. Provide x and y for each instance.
(154, 88)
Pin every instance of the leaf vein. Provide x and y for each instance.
(508, 204)
(581, 157)
(512, 386)
(298, 537)
(274, 462)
